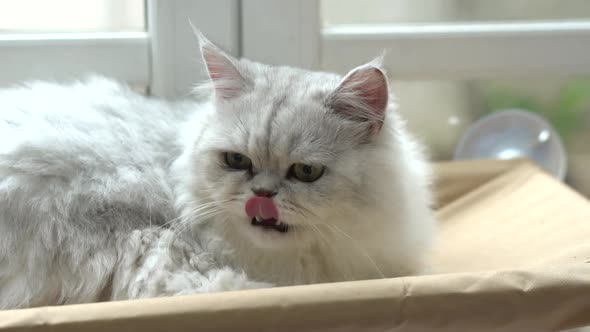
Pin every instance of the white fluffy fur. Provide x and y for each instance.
(106, 194)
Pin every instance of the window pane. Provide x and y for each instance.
(429, 11)
(71, 15)
(439, 113)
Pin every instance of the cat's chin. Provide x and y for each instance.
(269, 238)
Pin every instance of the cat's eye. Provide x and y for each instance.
(237, 161)
(306, 173)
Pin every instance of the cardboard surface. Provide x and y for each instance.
(521, 218)
(513, 254)
(457, 178)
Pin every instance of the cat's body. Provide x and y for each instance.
(89, 173)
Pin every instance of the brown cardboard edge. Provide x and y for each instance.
(453, 179)
(542, 299)
(495, 179)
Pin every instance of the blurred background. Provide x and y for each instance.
(439, 110)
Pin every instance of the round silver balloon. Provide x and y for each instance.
(512, 134)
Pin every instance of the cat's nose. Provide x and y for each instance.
(263, 192)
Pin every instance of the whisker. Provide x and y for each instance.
(324, 240)
(191, 211)
(190, 222)
(359, 248)
(339, 231)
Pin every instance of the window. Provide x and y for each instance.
(146, 43)
(71, 16)
(68, 39)
(335, 12)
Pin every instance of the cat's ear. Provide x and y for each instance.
(223, 70)
(362, 96)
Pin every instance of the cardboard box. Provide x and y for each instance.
(513, 255)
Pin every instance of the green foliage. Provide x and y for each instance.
(564, 113)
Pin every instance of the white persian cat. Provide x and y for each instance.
(284, 177)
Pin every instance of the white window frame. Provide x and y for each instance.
(282, 32)
(175, 59)
(165, 58)
(66, 56)
(464, 51)
(429, 51)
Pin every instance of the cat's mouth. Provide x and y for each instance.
(271, 224)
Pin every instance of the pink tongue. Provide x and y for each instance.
(261, 207)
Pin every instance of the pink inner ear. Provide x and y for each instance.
(371, 86)
(363, 96)
(226, 78)
(215, 66)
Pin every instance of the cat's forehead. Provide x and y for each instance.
(285, 117)
(289, 95)
(296, 135)
(281, 83)
(289, 128)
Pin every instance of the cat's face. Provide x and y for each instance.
(283, 153)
